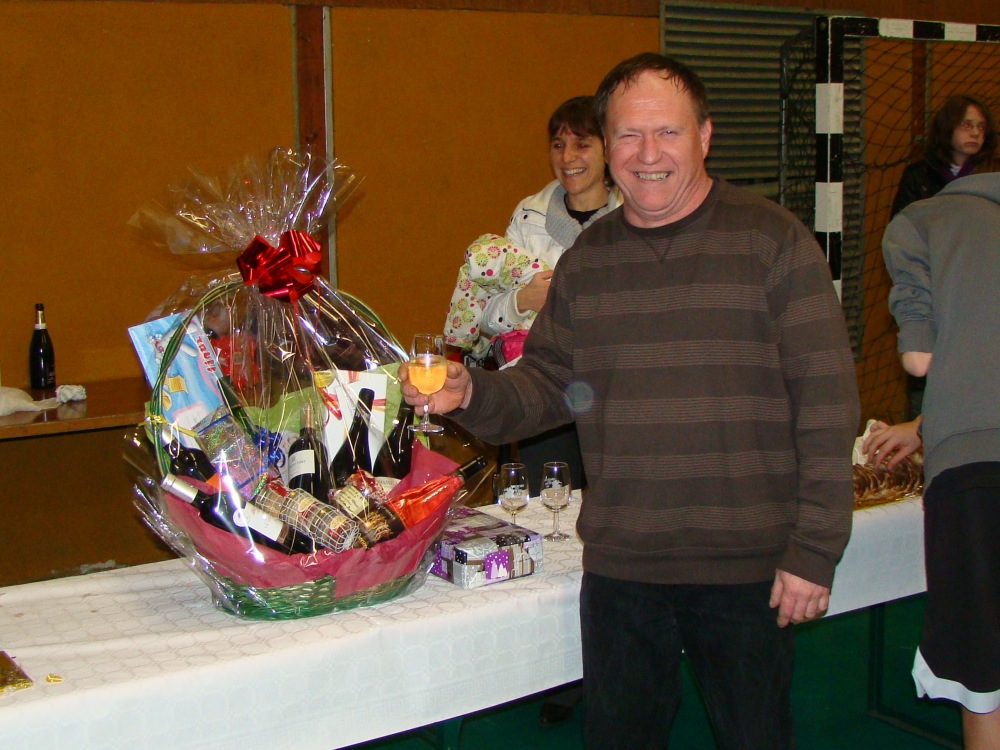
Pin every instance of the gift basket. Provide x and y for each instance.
(276, 456)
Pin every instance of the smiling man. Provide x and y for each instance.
(695, 337)
(657, 145)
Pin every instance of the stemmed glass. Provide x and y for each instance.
(428, 370)
(555, 495)
(512, 489)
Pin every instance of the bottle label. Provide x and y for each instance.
(378, 525)
(301, 462)
(352, 501)
(238, 517)
(263, 523)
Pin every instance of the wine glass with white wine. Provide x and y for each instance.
(512, 489)
(428, 370)
(555, 495)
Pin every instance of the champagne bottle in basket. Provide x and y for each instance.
(416, 504)
(354, 452)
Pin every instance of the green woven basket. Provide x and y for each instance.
(306, 599)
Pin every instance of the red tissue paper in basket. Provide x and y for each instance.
(354, 569)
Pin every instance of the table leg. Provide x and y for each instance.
(445, 734)
(876, 672)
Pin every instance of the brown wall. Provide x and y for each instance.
(476, 90)
(443, 112)
(104, 105)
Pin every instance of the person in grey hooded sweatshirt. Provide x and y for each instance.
(943, 254)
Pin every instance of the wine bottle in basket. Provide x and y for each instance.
(193, 464)
(324, 524)
(470, 469)
(308, 464)
(393, 460)
(376, 523)
(195, 480)
(308, 468)
(354, 452)
(416, 504)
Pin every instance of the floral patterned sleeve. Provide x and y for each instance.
(493, 269)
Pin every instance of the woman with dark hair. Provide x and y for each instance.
(505, 280)
(547, 223)
(962, 135)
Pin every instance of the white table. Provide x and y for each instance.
(884, 559)
(146, 660)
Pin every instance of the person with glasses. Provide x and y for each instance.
(962, 136)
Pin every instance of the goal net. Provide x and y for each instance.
(857, 98)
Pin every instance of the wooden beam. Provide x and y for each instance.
(313, 103)
(638, 8)
(310, 78)
(641, 8)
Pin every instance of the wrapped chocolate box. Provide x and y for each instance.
(477, 549)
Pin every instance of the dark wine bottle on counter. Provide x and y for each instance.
(308, 463)
(394, 458)
(354, 452)
(41, 355)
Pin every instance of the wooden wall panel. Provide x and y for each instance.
(971, 11)
(443, 109)
(648, 8)
(445, 114)
(104, 105)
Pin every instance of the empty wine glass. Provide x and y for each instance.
(512, 489)
(428, 370)
(555, 495)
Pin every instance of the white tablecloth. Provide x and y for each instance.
(884, 559)
(147, 661)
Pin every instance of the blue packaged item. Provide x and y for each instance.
(191, 390)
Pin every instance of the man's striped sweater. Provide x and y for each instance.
(707, 366)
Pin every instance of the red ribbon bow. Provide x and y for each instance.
(285, 272)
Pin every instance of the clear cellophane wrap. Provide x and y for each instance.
(278, 336)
